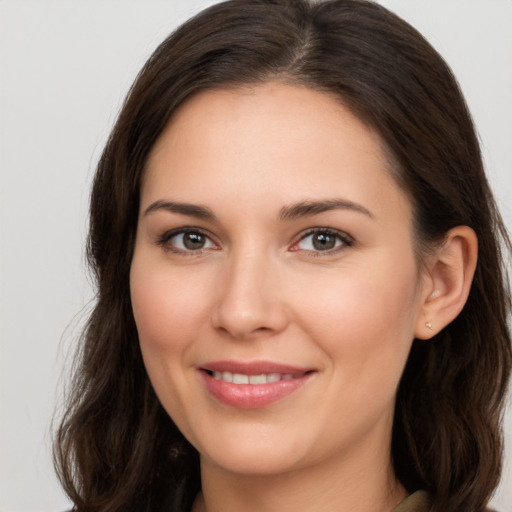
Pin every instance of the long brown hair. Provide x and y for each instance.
(116, 449)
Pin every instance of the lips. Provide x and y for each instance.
(252, 385)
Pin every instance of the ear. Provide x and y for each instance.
(447, 281)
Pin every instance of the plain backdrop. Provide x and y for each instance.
(65, 67)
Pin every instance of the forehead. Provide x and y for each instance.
(278, 141)
(273, 111)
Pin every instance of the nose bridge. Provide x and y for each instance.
(249, 300)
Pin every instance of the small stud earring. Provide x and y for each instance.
(428, 325)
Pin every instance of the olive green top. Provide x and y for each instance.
(418, 501)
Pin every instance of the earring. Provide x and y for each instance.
(428, 325)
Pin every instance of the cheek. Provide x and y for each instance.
(168, 313)
(365, 325)
(167, 310)
(365, 316)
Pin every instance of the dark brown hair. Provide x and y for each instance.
(116, 448)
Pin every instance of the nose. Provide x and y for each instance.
(251, 301)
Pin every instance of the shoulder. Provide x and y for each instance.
(418, 501)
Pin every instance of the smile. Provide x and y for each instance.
(252, 385)
(240, 378)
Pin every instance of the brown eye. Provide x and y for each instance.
(194, 241)
(323, 240)
(187, 241)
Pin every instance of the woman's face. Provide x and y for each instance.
(274, 283)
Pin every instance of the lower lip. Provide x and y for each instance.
(252, 396)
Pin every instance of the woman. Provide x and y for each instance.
(301, 296)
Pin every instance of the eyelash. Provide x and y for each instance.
(345, 239)
(163, 241)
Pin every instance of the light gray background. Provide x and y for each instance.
(65, 67)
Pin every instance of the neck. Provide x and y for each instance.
(366, 486)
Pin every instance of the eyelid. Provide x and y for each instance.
(164, 238)
(346, 239)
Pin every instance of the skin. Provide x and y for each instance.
(260, 290)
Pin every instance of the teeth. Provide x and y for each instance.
(239, 378)
(257, 379)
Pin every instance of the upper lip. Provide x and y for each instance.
(253, 368)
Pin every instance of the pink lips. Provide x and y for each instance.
(252, 385)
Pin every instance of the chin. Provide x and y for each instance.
(254, 462)
(244, 454)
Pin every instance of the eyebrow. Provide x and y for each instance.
(310, 208)
(297, 210)
(192, 210)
